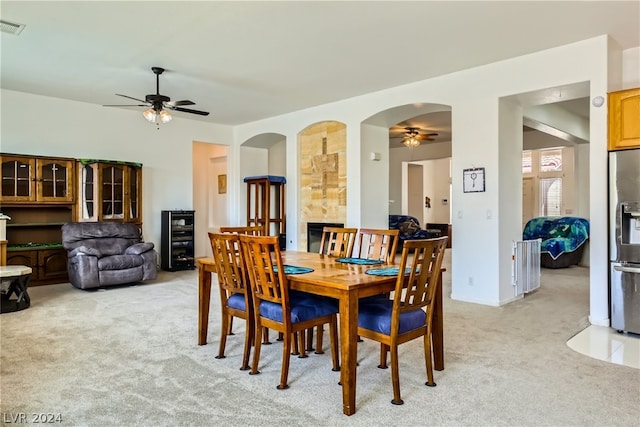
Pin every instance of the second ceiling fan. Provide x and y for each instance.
(411, 136)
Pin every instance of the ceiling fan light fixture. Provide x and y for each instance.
(165, 117)
(150, 115)
(411, 142)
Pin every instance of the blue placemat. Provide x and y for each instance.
(388, 271)
(361, 261)
(292, 269)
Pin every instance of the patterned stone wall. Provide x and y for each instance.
(323, 175)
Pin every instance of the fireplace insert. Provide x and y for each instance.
(314, 234)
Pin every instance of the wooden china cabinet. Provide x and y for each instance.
(38, 194)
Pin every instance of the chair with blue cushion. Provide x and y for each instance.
(337, 242)
(253, 230)
(278, 308)
(409, 315)
(235, 293)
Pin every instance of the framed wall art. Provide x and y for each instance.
(222, 184)
(473, 180)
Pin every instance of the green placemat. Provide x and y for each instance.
(361, 261)
(292, 269)
(388, 271)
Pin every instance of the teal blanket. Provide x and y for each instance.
(558, 234)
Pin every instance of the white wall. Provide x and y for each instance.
(209, 161)
(375, 176)
(631, 68)
(437, 174)
(278, 159)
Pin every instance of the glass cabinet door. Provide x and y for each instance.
(88, 189)
(112, 184)
(133, 194)
(55, 180)
(18, 179)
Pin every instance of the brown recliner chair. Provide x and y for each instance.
(107, 253)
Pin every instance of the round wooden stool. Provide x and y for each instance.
(14, 280)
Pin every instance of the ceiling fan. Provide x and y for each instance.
(160, 103)
(411, 136)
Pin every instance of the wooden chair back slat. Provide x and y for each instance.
(338, 241)
(228, 262)
(377, 244)
(417, 290)
(265, 268)
(252, 230)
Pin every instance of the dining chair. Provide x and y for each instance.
(277, 308)
(377, 244)
(235, 293)
(409, 314)
(337, 241)
(253, 230)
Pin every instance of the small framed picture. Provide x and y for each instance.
(222, 184)
(473, 180)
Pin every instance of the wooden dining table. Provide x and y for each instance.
(345, 282)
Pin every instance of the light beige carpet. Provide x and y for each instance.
(127, 356)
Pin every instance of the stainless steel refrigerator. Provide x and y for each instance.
(624, 245)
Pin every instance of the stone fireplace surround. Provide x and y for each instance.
(323, 178)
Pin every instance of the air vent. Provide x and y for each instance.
(11, 28)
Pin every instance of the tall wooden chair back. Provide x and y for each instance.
(409, 315)
(235, 292)
(253, 230)
(377, 244)
(338, 241)
(279, 309)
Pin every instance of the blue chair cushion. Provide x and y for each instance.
(237, 301)
(375, 315)
(303, 307)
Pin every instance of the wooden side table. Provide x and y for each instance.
(14, 280)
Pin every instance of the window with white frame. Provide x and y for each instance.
(547, 168)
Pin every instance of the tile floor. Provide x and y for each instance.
(604, 343)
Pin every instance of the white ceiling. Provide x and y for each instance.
(244, 61)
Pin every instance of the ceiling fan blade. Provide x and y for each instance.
(188, 110)
(126, 105)
(131, 97)
(180, 103)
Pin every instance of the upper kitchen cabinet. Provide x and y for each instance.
(30, 179)
(624, 119)
(109, 191)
